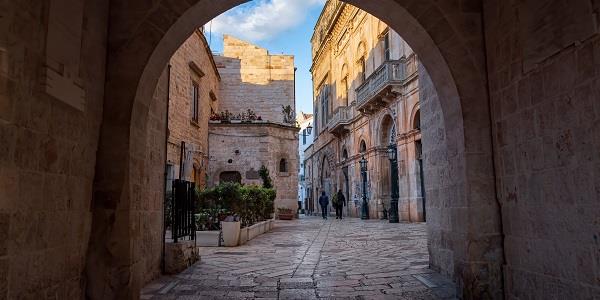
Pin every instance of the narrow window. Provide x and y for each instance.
(303, 136)
(283, 165)
(363, 70)
(195, 104)
(345, 91)
(417, 120)
(387, 54)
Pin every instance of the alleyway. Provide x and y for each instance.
(314, 259)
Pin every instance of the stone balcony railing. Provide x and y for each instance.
(379, 87)
(343, 116)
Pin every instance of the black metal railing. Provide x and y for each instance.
(183, 223)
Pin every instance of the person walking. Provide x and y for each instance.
(339, 207)
(324, 202)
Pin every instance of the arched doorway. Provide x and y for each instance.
(326, 179)
(230, 176)
(387, 129)
(137, 56)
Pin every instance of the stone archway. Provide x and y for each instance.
(142, 38)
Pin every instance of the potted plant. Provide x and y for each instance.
(285, 213)
(229, 194)
(231, 231)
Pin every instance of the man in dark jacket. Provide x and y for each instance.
(324, 202)
(339, 207)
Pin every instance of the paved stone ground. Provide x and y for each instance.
(314, 259)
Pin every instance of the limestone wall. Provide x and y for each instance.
(181, 126)
(444, 216)
(48, 143)
(244, 148)
(148, 207)
(254, 79)
(544, 79)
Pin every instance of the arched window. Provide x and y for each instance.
(361, 62)
(345, 154)
(417, 120)
(387, 131)
(363, 146)
(344, 85)
(283, 165)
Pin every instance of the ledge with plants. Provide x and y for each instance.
(249, 116)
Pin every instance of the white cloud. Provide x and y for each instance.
(263, 19)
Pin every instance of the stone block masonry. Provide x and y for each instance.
(191, 65)
(244, 148)
(254, 79)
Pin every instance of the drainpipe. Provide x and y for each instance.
(166, 175)
(181, 162)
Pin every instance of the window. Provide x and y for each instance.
(303, 136)
(417, 120)
(345, 154)
(283, 165)
(344, 85)
(363, 146)
(316, 118)
(387, 54)
(418, 150)
(195, 104)
(363, 69)
(325, 109)
(345, 91)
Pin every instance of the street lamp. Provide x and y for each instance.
(308, 131)
(393, 156)
(363, 171)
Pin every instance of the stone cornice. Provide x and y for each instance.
(325, 24)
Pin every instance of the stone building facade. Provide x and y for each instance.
(366, 99)
(193, 87)
(306, 137)
(253, 79)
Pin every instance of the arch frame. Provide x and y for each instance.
(451, 51)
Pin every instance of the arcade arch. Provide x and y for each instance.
(138, 55)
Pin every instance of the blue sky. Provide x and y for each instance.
(281, 26)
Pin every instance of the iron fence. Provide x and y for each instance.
(183, 223)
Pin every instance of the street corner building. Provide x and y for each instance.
(367, 103)
(255, 124)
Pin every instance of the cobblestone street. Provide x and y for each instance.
(314, 259)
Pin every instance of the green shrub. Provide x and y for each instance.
(266, 178)
(251, 203)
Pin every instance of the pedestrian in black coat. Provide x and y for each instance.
(339, 207)
(324, 202)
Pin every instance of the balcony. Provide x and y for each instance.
(341, 118)
(382, 87)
